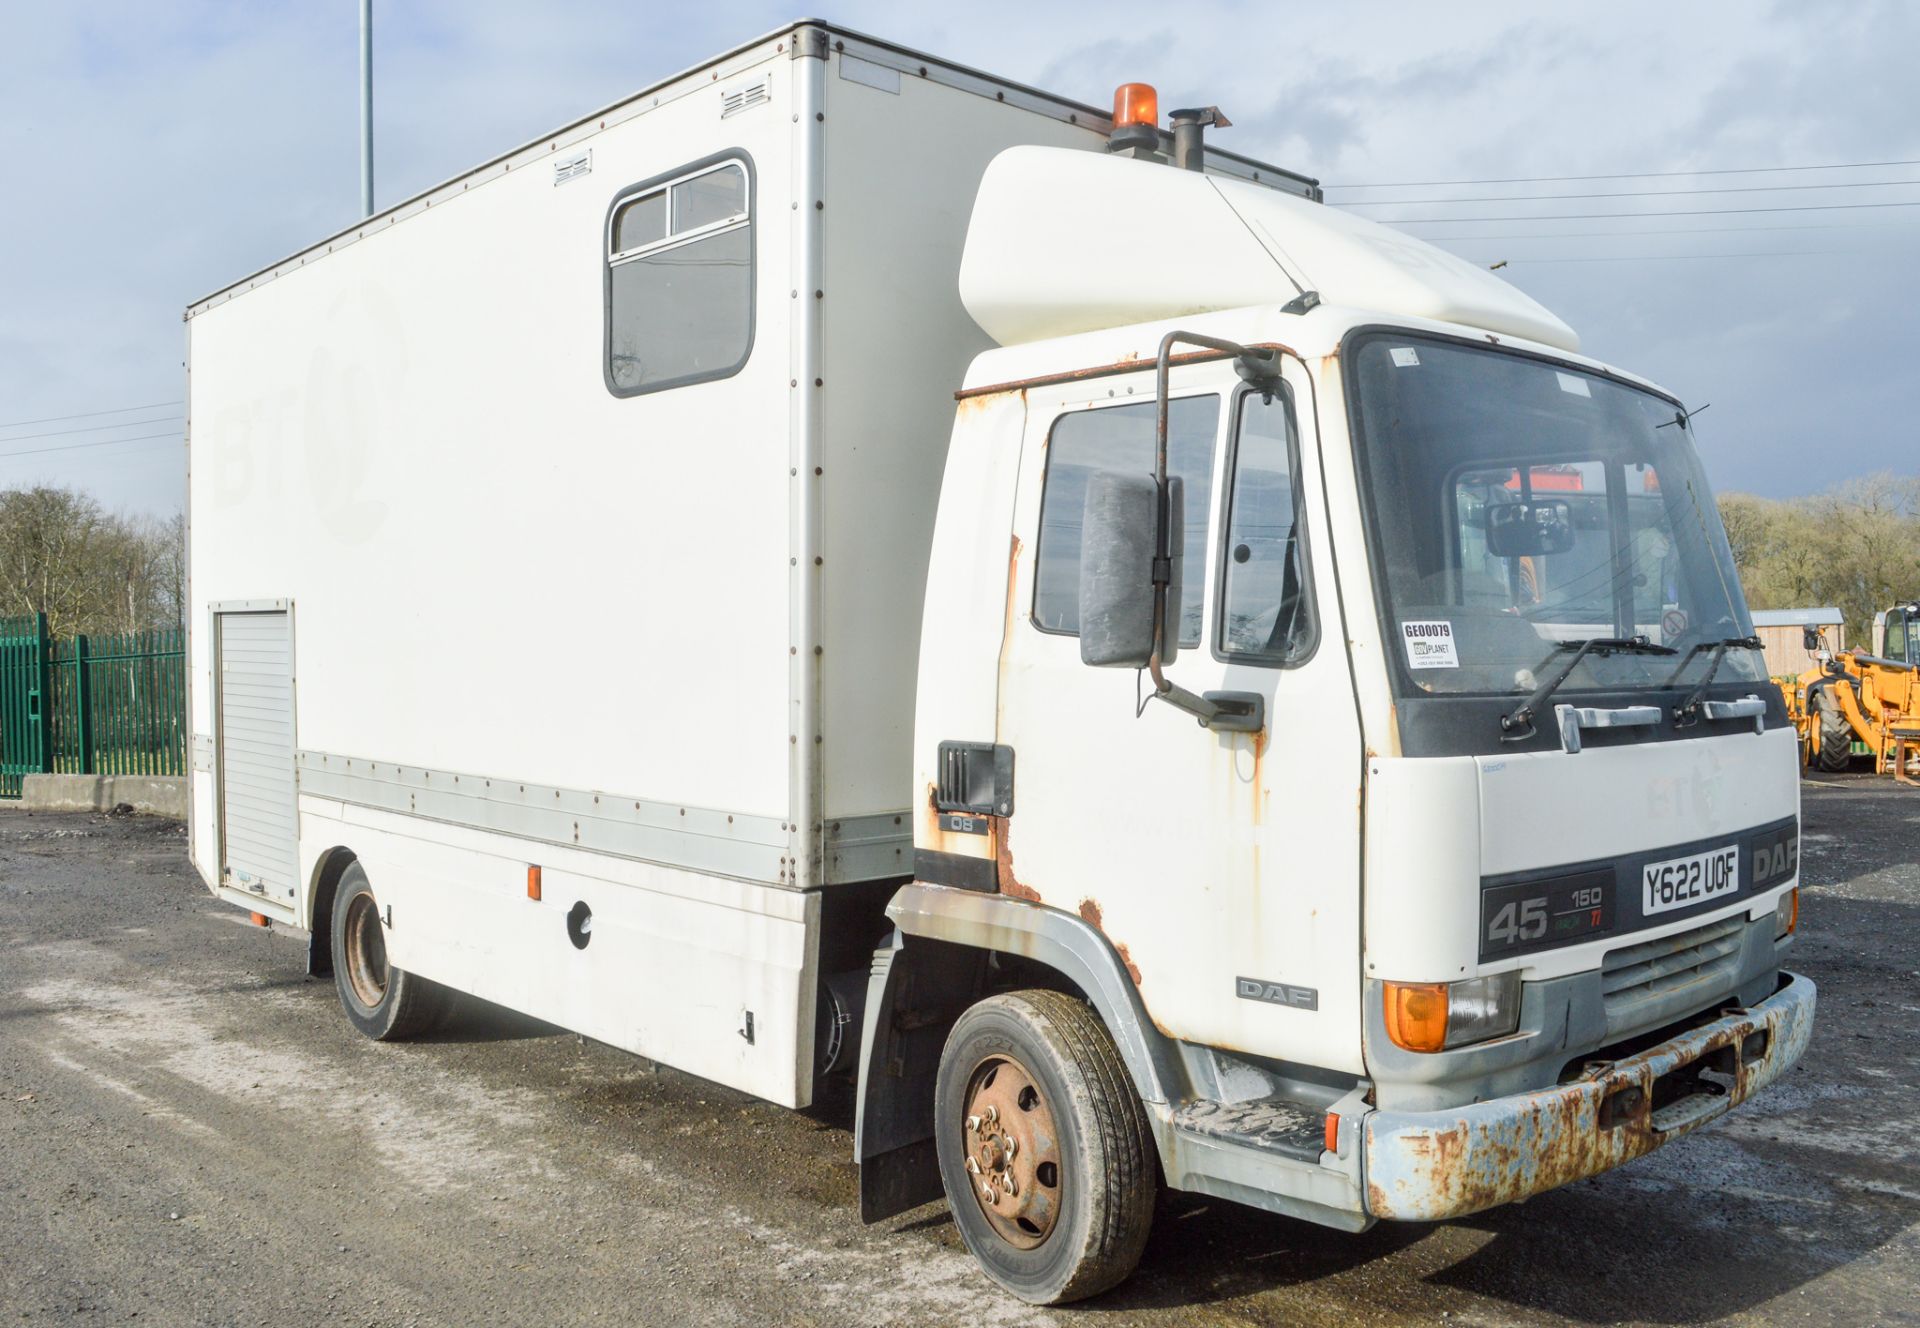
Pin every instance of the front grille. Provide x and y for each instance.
(1654, 981)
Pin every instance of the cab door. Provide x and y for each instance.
(1223, 867)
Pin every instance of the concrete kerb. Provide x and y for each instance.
(149, 795)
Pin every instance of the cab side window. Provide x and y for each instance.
(1266, 604)
(1121, 438)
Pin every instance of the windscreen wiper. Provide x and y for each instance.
(1519, 725)
(1688, 711)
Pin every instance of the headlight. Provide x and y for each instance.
(1786, 914)
(1438, 1016)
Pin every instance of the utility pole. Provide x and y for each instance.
(366, 108)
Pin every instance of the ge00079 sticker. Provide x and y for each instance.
(1430, 644)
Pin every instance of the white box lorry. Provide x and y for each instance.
(1289, 732)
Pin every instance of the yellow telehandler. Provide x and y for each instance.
(1869, 697)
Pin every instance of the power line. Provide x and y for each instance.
(1634, 193)
(1626, 175)
(1689, 230)
(1674, 258)
(89, 414)
(1611, 216)
(91, 428)
(106, 442)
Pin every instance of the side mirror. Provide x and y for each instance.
(1529, 530)
(1116, 570)
(1810, 639)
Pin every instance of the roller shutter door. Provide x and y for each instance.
(256, 753)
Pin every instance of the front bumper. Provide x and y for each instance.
(1430, 1165)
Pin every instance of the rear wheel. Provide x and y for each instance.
(1044, 1147)
(386, 1003)
(1834, 735)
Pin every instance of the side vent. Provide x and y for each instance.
(746, 96)
(975, 778)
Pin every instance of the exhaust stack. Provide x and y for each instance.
(1189, 135)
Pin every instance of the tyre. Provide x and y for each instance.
(1834, 737)
(386, 1003)
(1045, 1150)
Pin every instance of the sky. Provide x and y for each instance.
(156, 152)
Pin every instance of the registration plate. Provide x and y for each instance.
(1683, 882)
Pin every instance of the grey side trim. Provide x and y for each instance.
(868, 848)
(1063, 942)
(752, 848)
(728, 843)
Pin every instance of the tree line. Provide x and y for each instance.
(1855, 548)
(89, 570)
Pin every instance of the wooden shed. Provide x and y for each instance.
(1781, 632)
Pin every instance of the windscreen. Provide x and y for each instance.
(1518, 506)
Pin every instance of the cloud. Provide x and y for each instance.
(159, 151)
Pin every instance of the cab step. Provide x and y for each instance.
(1271, 1124)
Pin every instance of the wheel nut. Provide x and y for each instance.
(993, 1115)
(973, 1125)
(973, 1167)
(992, 1197)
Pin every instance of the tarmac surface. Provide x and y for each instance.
(191, 1133)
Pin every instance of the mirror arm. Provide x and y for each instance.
(1252, 365)
(1225, 712)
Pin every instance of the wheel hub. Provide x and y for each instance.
(1012, 1151)
(366, 951)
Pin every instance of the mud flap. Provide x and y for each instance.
(914, 994)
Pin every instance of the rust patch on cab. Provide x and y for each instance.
(1090, 911)
(1003, 865)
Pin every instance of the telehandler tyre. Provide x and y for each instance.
(1045, 1150)
(388, 1004)
(1835, 737)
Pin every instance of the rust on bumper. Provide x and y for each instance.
(1426, 1166)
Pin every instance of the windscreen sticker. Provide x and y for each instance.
(1405, 357)
(1430, 645)
(1573, 383)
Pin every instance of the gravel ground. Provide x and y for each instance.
(190, 1133)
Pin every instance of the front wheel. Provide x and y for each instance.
(1833, 736)
(386, 1003)
(1045, 1150)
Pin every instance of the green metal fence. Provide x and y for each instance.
(24, 684)
(104, 705)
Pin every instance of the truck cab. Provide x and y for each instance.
(1343, 687)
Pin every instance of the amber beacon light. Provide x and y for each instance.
(1136, 118)
(1135, 104)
